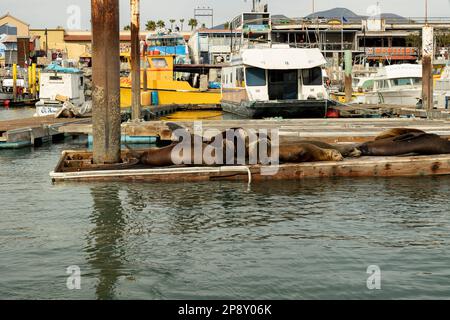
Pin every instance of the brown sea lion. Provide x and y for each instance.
(305, 152)
(346, 150)
(231, 142)
(411, 143)
(391, 133)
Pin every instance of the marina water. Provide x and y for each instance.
(311, 239)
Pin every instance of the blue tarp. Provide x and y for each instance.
(58, 68)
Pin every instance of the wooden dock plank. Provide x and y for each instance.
(322, 129)
(21, 132)
(362, 167)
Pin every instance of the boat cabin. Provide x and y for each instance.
(271, 74)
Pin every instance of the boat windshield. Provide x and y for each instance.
(166, 42)
(401, 82)
(312, 77)
(256, 77)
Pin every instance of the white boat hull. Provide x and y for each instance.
(406, 97)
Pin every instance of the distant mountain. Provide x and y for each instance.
(334, 13)
(393, 18)
(350, 15)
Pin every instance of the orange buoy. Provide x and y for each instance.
(333, 113)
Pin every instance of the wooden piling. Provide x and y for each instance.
(427, 70)
(106, 81)
(135, 62)
(348, 76)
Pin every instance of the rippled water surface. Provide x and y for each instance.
(311, 239)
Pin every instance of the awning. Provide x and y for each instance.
(283, 58)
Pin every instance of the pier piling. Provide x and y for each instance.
(135, 62)
(106, 81)
(427, 74)
(348, 76)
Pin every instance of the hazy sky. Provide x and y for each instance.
(51, 13)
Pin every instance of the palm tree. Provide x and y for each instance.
(127, 28)
(172, 21)
(182, 22)
(193, 23)
(150, 25)
(160, 24)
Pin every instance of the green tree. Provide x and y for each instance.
(182, 23)
(160, 24)
(150, 25)
(227, 25)
(127, 28)
(193, 23)
(172, 21)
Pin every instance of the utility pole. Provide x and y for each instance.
(135, 62)
(106, 118)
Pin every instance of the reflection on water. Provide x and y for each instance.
(16, 113)
(220, 240)
(104, 250)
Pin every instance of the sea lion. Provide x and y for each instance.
(410, 143)
(234, 143)
(391, 133)
(306, 152)
(346, 150)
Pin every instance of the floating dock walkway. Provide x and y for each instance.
(30, 131)
(410, 166)
(327, 130)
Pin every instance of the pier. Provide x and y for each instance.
(410, 166)
(31, 131)
(327, 130)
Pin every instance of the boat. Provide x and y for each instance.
(23, 95)
(397, 85)
(58, 85)
(166, 87)
(441, 89)
(276, 81)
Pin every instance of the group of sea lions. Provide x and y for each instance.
(394, 142)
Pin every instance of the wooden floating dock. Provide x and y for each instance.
(327, 130)
(29, 131)
(376, 110)
(411, 166)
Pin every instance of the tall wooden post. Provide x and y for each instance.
(427, 73)
(135, 62)
(348, 75)
(106, 118)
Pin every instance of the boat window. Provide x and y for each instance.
(256, 77)
(368, 85)
(402, 82)
(417, 81)
(55, 78)
(159, 63)
(312, 77)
